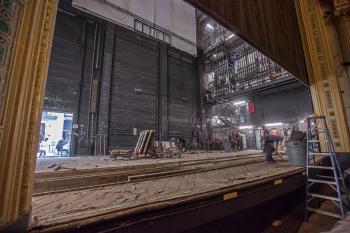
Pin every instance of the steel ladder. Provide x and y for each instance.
(320, 145)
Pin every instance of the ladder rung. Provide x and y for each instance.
(316, 118)
(318, 130)
(325, 213)
(322, 181)
(321, 167)
(313, 141)
(329, 177)
(320, 153)
(324, 196)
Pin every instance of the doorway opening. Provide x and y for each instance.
(55, 134)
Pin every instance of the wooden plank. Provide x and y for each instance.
(148, 142)
(125, 196)
(108, 176)
(158, 174)
(188, 183)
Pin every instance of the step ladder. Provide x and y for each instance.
(320, 145)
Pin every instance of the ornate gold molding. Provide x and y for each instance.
(341, 14)
(324, 85)
(37, 102)
(27, 79)
(10, 15)
(341, 4)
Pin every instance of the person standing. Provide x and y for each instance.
(199, 137)
(60, 145)
(272, 141)
(268, 147)
(181, 143)
(265, 133)
(43, 147)
(237, 141)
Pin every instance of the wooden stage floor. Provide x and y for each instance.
(56, 209)
(49, 164)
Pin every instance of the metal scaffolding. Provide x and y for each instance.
(232, 72)
(232, 67)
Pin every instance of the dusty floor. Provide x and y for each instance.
(292, 222)
(321, 223)
(92, 162)
(342, 226)
(72, 205)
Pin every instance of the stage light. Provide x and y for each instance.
(239, 103)
(245, 127)
(210, 26)
(273, 124)
(229, 37)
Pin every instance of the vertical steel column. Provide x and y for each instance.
(163, 122)
(106, 81)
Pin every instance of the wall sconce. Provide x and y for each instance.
(138, 90)
(185, 99)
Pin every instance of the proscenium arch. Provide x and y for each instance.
(27, 75)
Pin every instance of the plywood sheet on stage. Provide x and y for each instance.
(93, 162)
(65, 207)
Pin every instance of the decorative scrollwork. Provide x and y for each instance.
(10, 11)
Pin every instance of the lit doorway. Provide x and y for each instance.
(55, 134)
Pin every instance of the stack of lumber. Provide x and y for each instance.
(166, 149)
(116, 153)
(144, 142)
(143, 145)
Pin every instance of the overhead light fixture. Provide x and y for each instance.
(229, 37)
(245, 127)
(210, 26)
(214, 56)
(301, 122)
(273, 124)
(215, 117)
(239, 103)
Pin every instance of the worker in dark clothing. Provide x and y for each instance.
(197, 138)
(265, 133)
(268, 147)
(60, 145)
(181, 143)
(271, 142)
(230, 139)
(237, 141)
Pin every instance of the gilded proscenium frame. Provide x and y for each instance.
(27, 77)
(23, 102)
(341, 16)
(324, 87)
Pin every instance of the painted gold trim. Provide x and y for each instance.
(27, 79)
(277, 182)
(230, 196)
(324, 87)
(341, 16)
